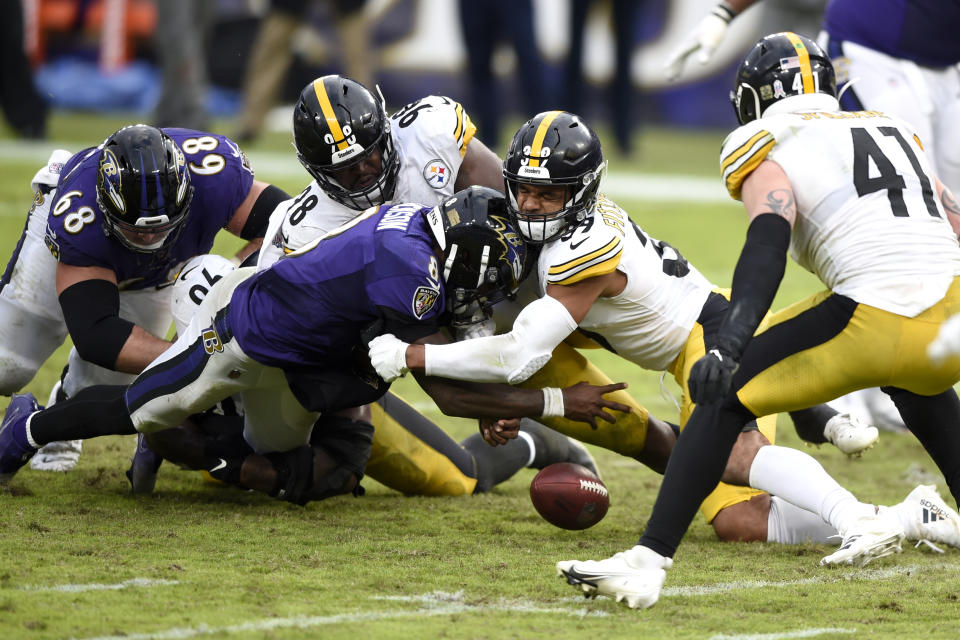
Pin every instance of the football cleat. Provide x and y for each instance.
(15, 449)
(850, 434)
(634, 576)
(57, 456)
(867, 539)
(925, 516)
(144, 465)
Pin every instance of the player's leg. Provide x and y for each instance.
(149, 309)
(415, 456)
(31, 323)
(635, 434)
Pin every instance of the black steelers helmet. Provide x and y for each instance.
(554, 148)
(780, 66)
(485, 256)
(143, 188)
(337, 123)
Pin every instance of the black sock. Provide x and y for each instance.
(95, 411)
(935, 421)
(809, 423)
(695, 467)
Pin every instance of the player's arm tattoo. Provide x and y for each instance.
(781, 202)
(950, 203)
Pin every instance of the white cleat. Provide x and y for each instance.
(867, 539)
(634, 576)
(925, 516)
(57, 456)
(850, 434)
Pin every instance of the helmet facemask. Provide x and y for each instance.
(339, 125)
(554, 149)
(484, 258)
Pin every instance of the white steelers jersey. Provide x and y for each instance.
(649, 322)
(869, 223)
(430, 136)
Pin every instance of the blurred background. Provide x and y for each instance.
(236, 66)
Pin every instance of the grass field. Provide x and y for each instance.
(80, 558)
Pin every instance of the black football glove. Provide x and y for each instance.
(711, 376)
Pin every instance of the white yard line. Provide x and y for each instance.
(126, 584)
(802, 633)
(433, 604)
(276, 164)
(439, 603)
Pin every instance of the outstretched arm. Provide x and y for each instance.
(511, 357)
(705, 37)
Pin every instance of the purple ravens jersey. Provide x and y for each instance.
(310, 308)
(923, 31)
(221, 178)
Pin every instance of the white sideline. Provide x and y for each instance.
(126, 584)
(276, 164)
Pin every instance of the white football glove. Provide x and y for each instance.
(947, 342)
(388, 354)
(705, 38)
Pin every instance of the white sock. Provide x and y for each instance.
(800, 480)
(526, 437)
(33, 443)
(789, 524)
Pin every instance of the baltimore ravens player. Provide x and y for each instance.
(858, 222)
(605, 276)
(108, 231)
(290, 341)
(423, 153)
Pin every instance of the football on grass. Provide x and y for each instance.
(569, 496)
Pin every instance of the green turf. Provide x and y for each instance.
(219, 562)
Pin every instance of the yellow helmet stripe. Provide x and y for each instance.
(804, 57)
(539, 136)
(327, 109)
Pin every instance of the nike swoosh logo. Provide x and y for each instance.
(183, 274)
(574, 245)
(222, 465)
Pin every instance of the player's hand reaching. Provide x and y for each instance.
(584, 402)
(499, 431)
(388, 355)
(711, 376)
(703, 40)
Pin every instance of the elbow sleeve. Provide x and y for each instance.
(91, 310)
(512, 357)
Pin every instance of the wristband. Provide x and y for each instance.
(552, 402)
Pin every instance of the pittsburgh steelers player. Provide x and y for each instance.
(637, 295)
(860, 223)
